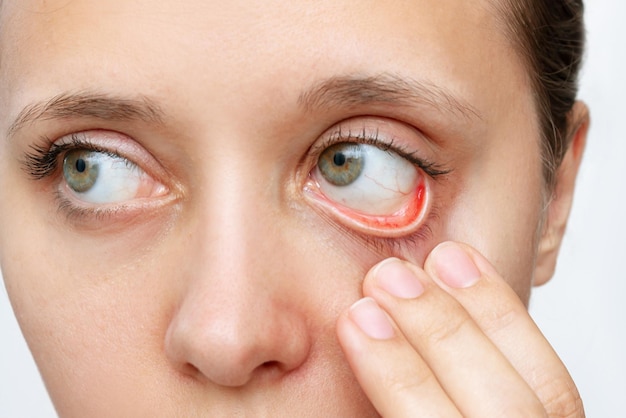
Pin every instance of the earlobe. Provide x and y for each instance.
(557, 212)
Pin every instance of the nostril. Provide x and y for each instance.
(190, 370)
(271, 365)
(269, 370)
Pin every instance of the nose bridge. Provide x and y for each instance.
(235, 317)
(236, 198)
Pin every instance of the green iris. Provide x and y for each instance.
(341, 164)
(80, 169)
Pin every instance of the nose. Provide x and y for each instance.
(229, 335)
(239, 316)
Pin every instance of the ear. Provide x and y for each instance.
(559, 207)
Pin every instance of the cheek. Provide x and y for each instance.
(87, 326)
(95, 311)
(88, 308)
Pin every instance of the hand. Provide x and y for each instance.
(450, 340)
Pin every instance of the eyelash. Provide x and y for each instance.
(366, 137)
(43, 160)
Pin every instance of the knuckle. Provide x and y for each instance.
(522, 411)
(561, 399)
(440, 332)
(410, 383)
(501, 319)
(566, 405)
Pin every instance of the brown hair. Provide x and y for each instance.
(549, 36)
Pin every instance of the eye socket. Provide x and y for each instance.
(374, 189)
(104, 178)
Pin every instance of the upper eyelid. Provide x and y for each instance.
(373, 137)
(43, 158)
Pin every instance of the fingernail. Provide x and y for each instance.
(454, 266)
(368, 316)
(396, 278)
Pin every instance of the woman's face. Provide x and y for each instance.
(179, 229)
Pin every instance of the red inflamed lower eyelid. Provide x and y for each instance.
(403, 222)
(400, 219)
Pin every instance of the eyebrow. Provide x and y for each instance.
(93, 105)
(384, 89)
(341, 91)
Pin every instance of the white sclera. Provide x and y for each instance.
(118, 180)
(385, 185)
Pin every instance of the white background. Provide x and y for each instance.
(582, 310)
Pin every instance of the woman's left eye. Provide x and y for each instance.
(366, 179)
(102, 178)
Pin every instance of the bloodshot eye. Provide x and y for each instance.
(373, 189)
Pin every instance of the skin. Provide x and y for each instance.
(229, 294)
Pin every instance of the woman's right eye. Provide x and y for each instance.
(97, 177)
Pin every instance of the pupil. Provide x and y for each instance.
(80, 165)
(339, 159)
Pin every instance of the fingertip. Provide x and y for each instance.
(453, 265)
(371, 319)
(375, 270)
(351, 339)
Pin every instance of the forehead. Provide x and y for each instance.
(255, 51)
